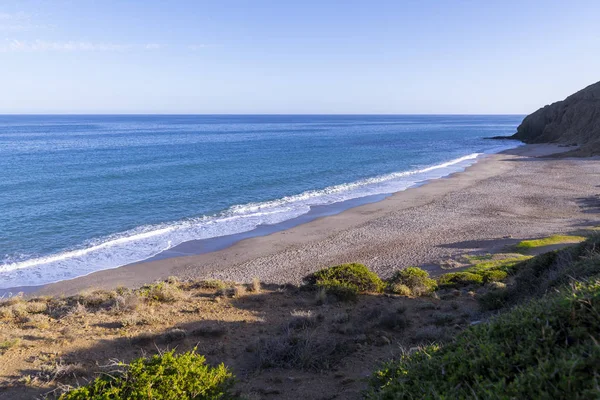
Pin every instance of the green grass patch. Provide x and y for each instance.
(459, 279)
(554, 239)
(166, 376)
(487, 268)
(546, 272)
(417, 280)
(504, 264)
(478, 258)
(346, 281)
(497, 270)
(543, 349)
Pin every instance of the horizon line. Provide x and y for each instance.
(248, 114)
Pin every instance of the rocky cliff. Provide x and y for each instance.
(575, 120)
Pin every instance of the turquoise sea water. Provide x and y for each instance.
(84, 193)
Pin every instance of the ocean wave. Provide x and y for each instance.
(147, 241)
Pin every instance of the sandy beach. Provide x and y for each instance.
(500, 200)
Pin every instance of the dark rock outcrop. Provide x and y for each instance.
(575, 120)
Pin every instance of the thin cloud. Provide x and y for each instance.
(18, 22)
(19, 16)
(24, 46)
(22, 27)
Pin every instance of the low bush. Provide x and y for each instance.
(161, 292)
(416, 279)
(543, 349)
(212, 284)
(346, 281)
(459, 279)
(399, 288)
(493, 276)
(303, 348)
(97, 298)
(167, 376)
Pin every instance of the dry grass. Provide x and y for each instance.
(36, 307)
(255, 286)
(37, 321)
(223, 320)
(60, 370)
(391, 320)
(430, 334)
(321, 296)
(239, 291)
(173, 335)
(212, 284)
(125, 303)
(303, 348)
(302, 319)
(8, 344)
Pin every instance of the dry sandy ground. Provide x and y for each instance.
(500, 200)
(281, 343)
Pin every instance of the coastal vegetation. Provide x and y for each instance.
(546, 346)
(412, 281)
(549, 241)
(495, 315)
(346, 281)
(164, 376)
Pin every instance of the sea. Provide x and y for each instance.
(83, 193)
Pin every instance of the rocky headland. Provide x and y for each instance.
(573, 121)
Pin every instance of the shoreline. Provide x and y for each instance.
(55, 271)
(202, 246)
(280, 256)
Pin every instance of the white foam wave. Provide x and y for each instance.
(148, 241)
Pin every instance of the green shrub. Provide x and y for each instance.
(342, 291)
(400, 288)
(543, 349)
(346, 281)
(459, 279)
(161, 292)
(167, 377)
(416, 279)
(493, 276)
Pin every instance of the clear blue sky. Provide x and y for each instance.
(105, 56)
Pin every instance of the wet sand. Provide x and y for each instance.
(500, 200)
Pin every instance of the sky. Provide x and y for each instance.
(295, 57)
